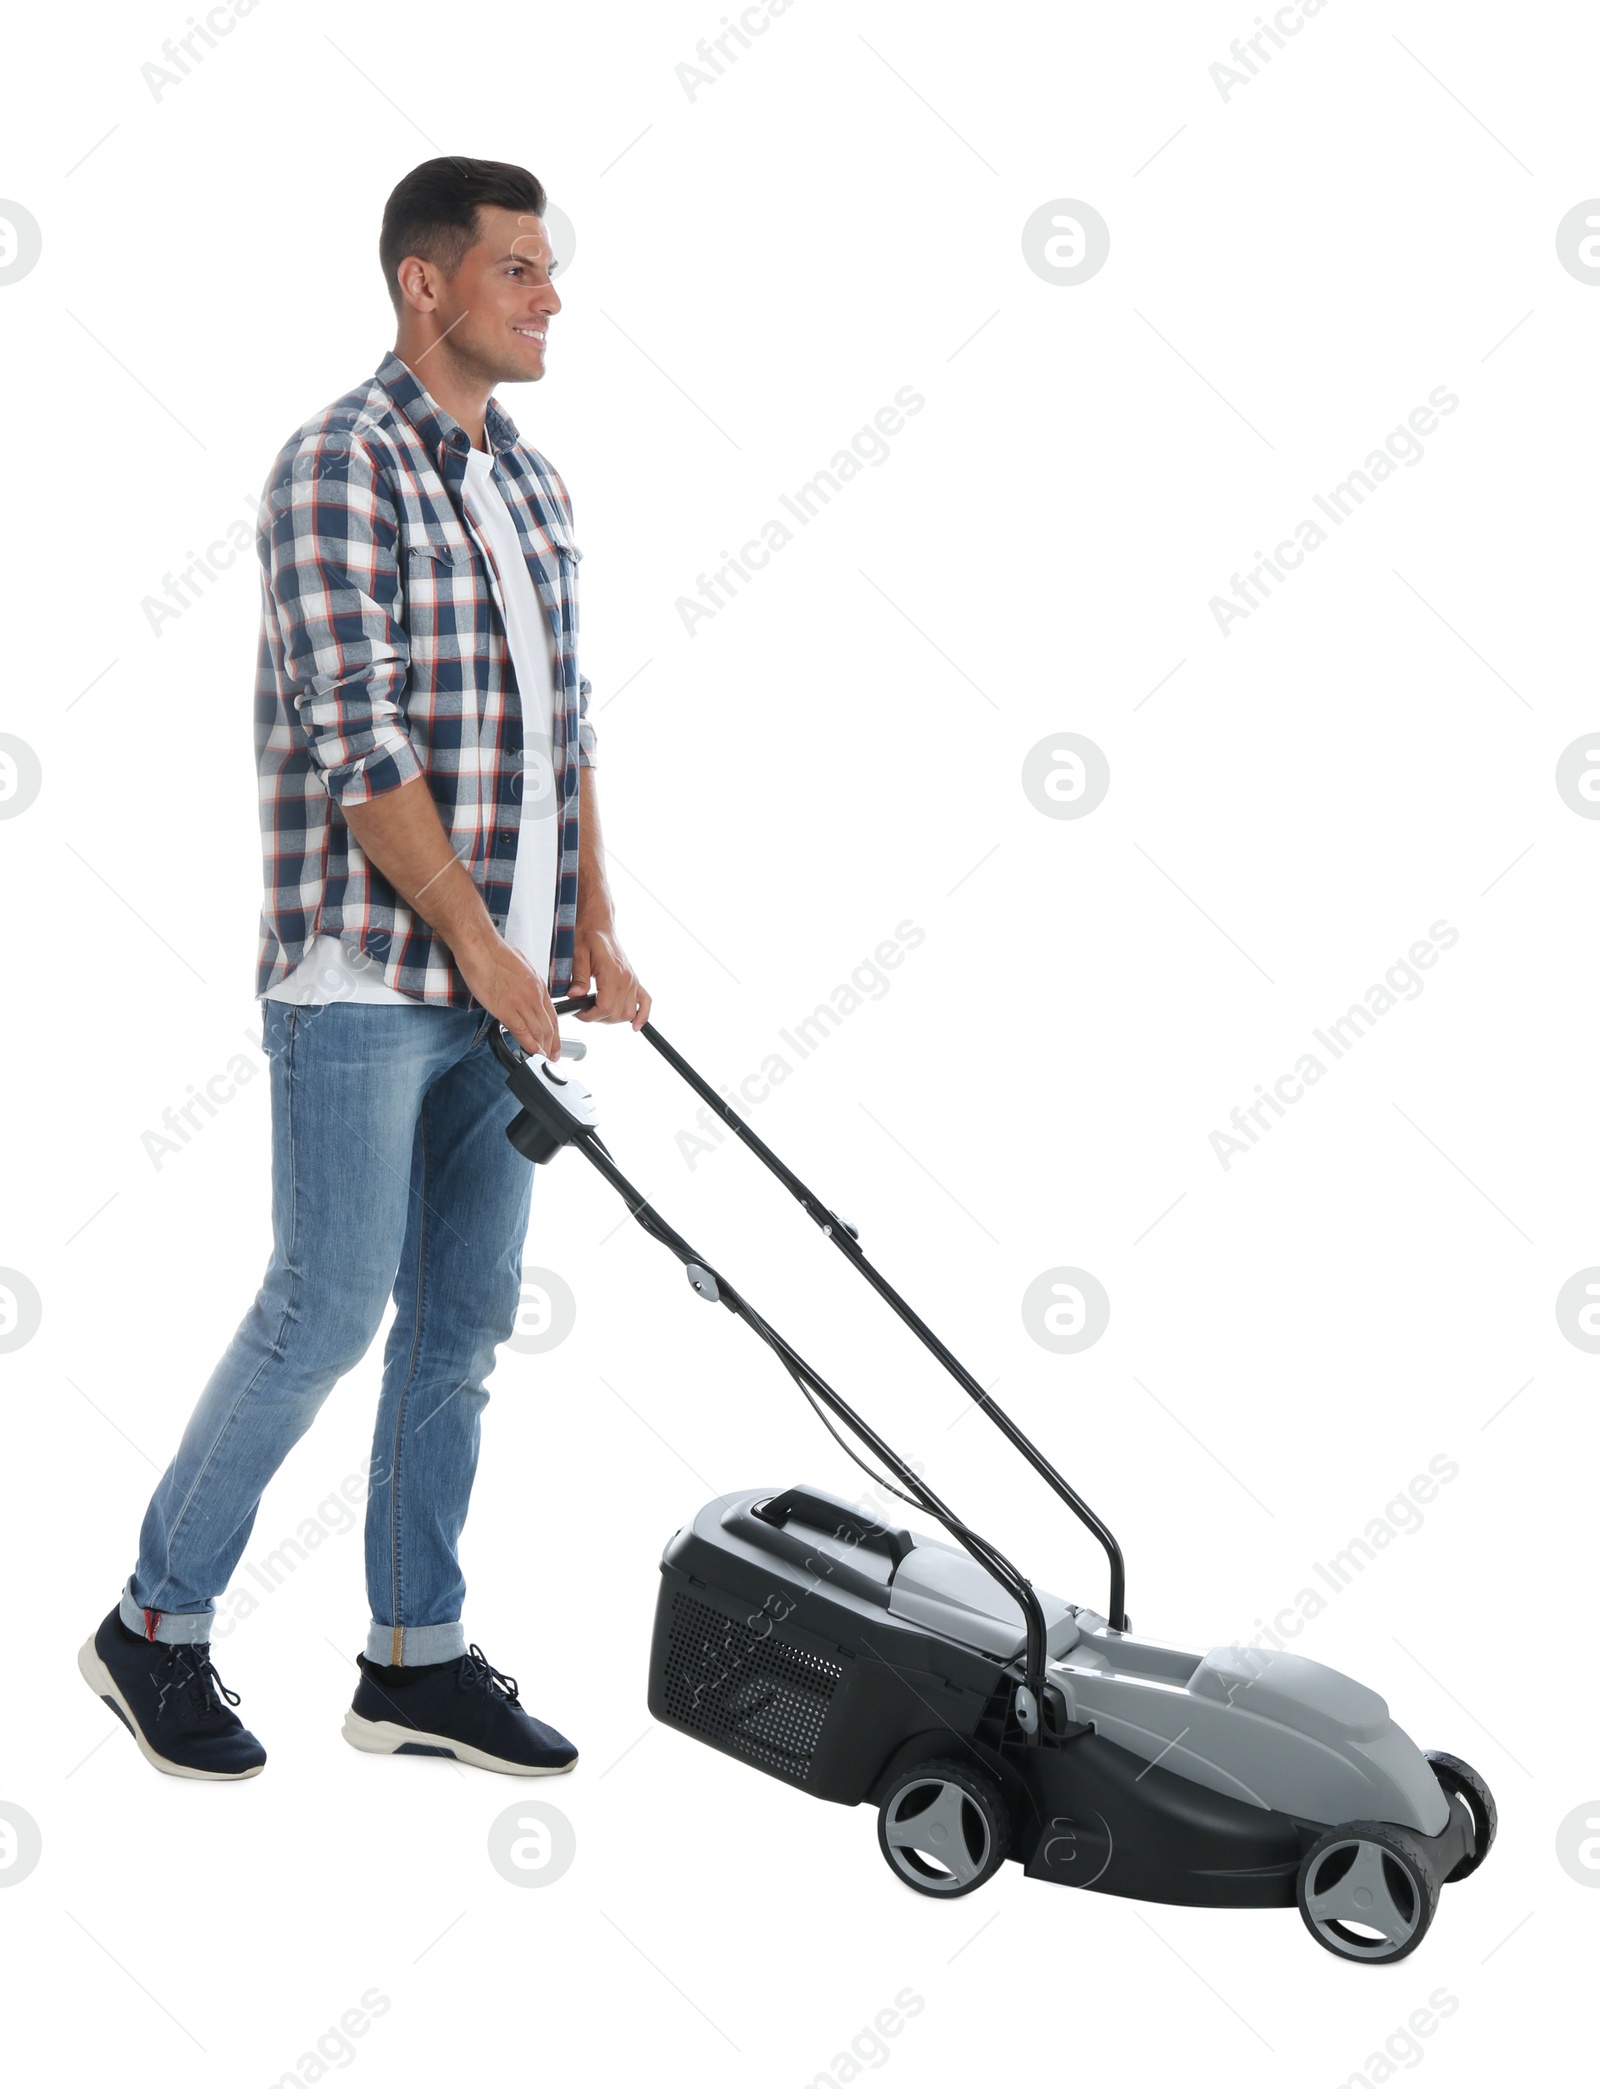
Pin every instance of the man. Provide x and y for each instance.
(433, 866)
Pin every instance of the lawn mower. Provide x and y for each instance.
(986, 1719)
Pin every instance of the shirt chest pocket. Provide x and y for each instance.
(567, 557)
(426, 552)
(437, 580)
(563, 571)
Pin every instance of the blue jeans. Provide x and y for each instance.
(391, 1173)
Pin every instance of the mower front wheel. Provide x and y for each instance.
(944, 1828)
(1366, 1892)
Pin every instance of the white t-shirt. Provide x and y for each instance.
(333, 971)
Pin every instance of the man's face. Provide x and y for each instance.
(497, 307)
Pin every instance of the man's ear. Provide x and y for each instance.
(416, 286)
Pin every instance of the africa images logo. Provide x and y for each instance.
(1402, 981)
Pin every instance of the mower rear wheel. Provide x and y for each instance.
(1367, 1892)
(1461, 1781)
(944, 1828)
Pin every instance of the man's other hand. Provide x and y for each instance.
(599, 964)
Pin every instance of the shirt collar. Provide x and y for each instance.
(439, 430)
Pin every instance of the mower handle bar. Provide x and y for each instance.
(710, 1284)
(844, 1237)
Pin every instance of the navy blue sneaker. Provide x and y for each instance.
(461, 1708)
(173, 1702)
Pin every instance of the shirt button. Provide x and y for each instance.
(505, 833)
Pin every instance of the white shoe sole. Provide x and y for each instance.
(386, 1737)
(104, 1685)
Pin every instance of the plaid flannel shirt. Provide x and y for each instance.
(383, 657)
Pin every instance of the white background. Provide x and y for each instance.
(758, 269)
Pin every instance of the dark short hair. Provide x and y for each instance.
(434, 211)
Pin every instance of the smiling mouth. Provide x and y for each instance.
(531, 333)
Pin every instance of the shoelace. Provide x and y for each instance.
(476, 1673)
(190, 1669)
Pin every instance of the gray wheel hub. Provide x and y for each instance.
(1362, 1901)
(935, 1827)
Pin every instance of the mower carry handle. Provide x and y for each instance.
(825, 1512)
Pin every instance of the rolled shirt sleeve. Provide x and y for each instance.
(333, 583)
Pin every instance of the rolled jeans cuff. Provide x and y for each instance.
(168, 1628)
(414, 1646)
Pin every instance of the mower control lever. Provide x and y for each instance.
(556, 1109)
